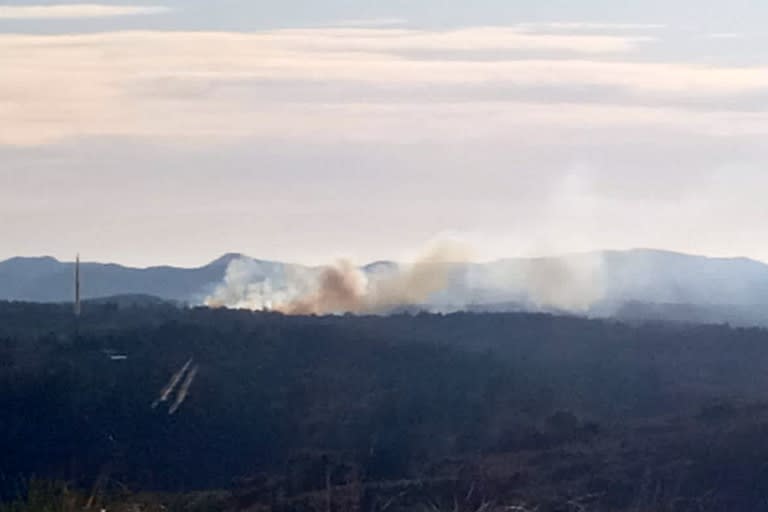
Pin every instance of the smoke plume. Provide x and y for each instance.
(339, 288)
(415, 284)
(570, 283)
(441, 279)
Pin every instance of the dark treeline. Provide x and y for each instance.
(393, 397)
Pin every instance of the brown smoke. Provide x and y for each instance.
(438, 279)
(341, 288)
(344, 288)
(414, 284)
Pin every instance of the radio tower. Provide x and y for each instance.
(77, 287)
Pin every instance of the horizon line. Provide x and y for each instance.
(236, 255)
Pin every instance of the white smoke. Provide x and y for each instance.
(252, 284)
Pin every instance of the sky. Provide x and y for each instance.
(171, 132)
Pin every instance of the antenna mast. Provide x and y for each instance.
(77, 287)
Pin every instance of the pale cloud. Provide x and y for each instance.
(473, 38)
(292, 143)
(589, 26)
(726, 35)
(74, 11)
(370, 22)
(177, 84)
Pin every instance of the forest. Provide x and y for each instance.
(466, 411)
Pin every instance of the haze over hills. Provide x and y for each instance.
(634, 284)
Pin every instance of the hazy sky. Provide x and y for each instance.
(172, 132)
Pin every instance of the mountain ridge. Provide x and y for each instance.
(605, 281)
(228, 257)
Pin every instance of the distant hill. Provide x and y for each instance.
(636, 284)
(131, 301)
(49, 280)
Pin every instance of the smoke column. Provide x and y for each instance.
(416, 283)
(441, 279)
(342, 287)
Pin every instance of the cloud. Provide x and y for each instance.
(589, 26)
(74, 11)
(370, 22)
(726, 35)
(368, 83)
(471, 38)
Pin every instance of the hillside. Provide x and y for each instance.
(49, 280)
(289, 413)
